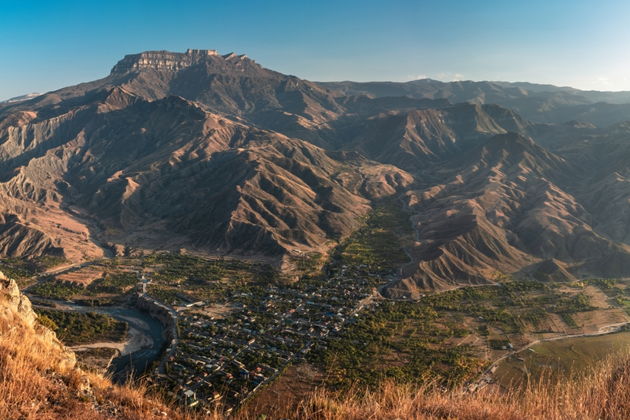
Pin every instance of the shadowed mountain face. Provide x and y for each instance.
(217, 154)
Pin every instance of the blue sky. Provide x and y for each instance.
(45, 45)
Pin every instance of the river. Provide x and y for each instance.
(145, 341)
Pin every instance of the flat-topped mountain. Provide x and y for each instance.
(165, 60)
(215, 153)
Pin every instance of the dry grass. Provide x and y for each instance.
(602, 394)
(37, 383)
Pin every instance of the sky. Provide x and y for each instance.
(46, 45)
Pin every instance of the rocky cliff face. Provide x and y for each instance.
(162, 60)
(14, 302)
(16, 312)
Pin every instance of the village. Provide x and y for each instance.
(230, 327)
(228, 358)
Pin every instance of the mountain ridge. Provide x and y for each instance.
(217, 154)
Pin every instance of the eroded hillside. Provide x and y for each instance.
(216, 154)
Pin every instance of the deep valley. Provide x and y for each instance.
(223, 231)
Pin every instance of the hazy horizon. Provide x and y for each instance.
(576, 44)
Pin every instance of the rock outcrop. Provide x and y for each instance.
(162, 60)
(16, 311)
(39, 379)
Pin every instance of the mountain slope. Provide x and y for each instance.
(168, 174)
(411, 139)
(501, 211)
(225, 84)
(217, 154)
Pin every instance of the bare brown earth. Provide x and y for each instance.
(83, 277)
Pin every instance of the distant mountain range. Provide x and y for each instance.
(217, 154)
(538, 103)
(21, 98)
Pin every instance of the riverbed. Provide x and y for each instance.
(145, 337)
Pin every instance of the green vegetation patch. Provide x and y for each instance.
(414, 341)
(22, 269)
(620, 296)
(307, 263)
(401, 341)
(377, 244)
(493, 305)
(74, 328)
(113, 283)
(18, 268)
(54, 289)
(180, 279)
(177, 268)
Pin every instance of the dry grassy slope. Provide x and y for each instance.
(39, 379)
(602, 394)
